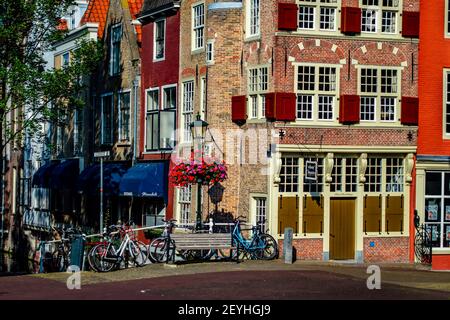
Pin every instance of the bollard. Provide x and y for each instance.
(287, 245)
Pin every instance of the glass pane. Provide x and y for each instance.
(446, 235)
(433, 183)
(447, 210)
(432, 210)
(167, 129)
(447, 184)
(434, 231)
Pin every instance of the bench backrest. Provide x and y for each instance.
(202, 240)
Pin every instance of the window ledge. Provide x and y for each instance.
(124, 144)
(252, 38)
(159, 60)
(256, 121)
(441, 251)
(197, 51)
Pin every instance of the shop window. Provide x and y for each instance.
(437, 208)
(288, 209)
(312, 214)
(289, 174)
(372, 213)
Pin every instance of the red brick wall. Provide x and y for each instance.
(395, 249)
(434, 56)
(306, 249)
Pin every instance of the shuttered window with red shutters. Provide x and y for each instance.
(410, 111)
(350, 20)
(380, 16)
(411, 24)
(349, 109)
(239, 109)
(281, 106)
(287, 16)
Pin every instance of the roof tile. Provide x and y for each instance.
(97, 11)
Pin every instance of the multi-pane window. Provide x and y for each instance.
(313, 186)
(203, 93)
(437, 208)
(394, 175)
(159, 41)
(65, 61)
(447, 102)
(124, 116)
(152, 121)
(258, 82)
(78, 122)
(210, 52)
(253, 20)
(317, 15)
(198, 26)
(185, 197)
(379, 90)
(316, 92)
(373, 175)
(187, 111)
(379, 16)
(116, 36)
(160, 120)
(344, 175)
(107, 119)
(261, 212)
(167, 118)
(447, 17)
(289, 174)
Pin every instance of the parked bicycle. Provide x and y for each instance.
(163, 247)
(423, 244)
(259, 246)
(119, 248)
(59, 259)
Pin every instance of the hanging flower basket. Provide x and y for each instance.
(207, 171)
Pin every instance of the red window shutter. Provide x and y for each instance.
(351, 20)
(270, 106)
(287, 16)
(349, 109)
(285, 106)
(239, 109)
(411, 24)
(410, 111)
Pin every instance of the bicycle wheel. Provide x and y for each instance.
(267, 248)
(145, 250)
(422, 248)
(103, 258)
(137, 256)
(160, 249)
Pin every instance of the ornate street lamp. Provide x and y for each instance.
(198, 130)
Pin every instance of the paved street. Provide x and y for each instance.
(249, 280)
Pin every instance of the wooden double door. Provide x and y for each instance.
(342, 228)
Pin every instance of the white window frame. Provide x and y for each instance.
(445, 103)
(378, 95)
(379, 9)
(63, 62)
(152, 111)
(259, 94)
(77, 129)
(316, 93)
(185, 131)
(447, 19)
(203, 97)
(102, 141)
(442, 197)
(122, 139)
(195, 39)
(317, 5)
(112, 55)
(255, 215)
(250, 17)
(155, 28)
(184, 204)
(345, 163)
(210, 52)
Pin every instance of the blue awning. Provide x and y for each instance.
(146, 180)
(41, 178)
(65, 175)
(89, 180)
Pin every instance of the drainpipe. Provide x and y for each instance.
(135, 88)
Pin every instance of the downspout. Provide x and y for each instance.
(135, 89)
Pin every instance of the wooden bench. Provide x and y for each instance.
(202, 241)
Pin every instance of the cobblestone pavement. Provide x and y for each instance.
(226, 280)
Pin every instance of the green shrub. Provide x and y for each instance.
(153, 233)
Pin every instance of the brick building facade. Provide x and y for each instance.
(292, 84)
(432, 168)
